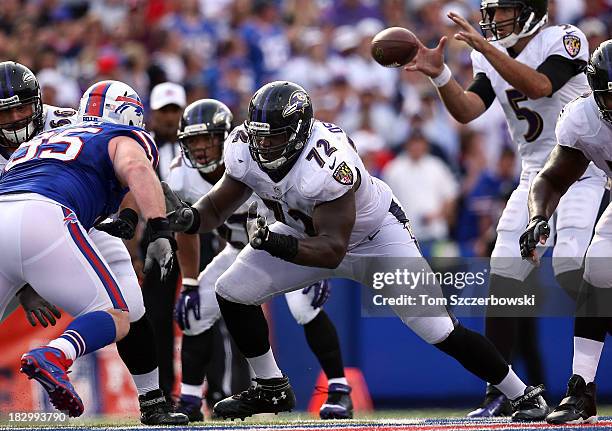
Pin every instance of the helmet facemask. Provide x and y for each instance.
(524, 23)
(199, 148)
(272, 149)
(14, 133)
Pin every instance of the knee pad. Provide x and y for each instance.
(300, 307)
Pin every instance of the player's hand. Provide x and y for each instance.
(182, 217)
(322, 290)
(468, 34)
(189, 300)
(428, 61)
(257, 227)
(161, 247)
(36, 308)
(538, 231)
(124, 226)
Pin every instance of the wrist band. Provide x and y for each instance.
(282, 246)
(191, 282)
(442, 79)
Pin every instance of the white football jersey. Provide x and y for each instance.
(580, 126)
(327, 168)
(53, 117)
(532, 122)
(190, 185)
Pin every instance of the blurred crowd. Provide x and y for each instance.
(453, 180)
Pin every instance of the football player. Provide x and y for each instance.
(584, 133)
(332, 220)
(533, 71)
(24, 117)
(203, 128)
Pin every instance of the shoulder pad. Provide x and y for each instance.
(236, 155)
(567, 41)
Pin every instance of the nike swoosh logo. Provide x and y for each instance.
(371, 237)
(582, 179)
(240, 161)
(333, 164)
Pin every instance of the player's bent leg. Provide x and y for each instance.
(435, 326)
(323, 341)
(60, 242)
(137, 349)
(253, 278)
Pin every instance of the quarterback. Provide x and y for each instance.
(332, 220)
(533, 70)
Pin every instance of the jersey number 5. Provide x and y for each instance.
(534, 120)
(51, 145)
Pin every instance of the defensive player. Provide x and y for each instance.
(533, 71)
(91, 186)
(584, 133)
(203, 128)
(21, 120)
(332, 220)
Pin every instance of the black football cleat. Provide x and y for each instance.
(531, 406)
(339, 404)
(156, 410)
(265, 396)
(579, 405)
(191, 406)
(495, 404)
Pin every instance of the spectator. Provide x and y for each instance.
(426, 189)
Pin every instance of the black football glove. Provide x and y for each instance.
(161, 247)
(36, 307)
(124, 226)
(262, 238)
(538, 231)
(181, 216)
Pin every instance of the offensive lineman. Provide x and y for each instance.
(584, 133)
(25, 117)
(533, 71)
(332, 220)
(203, 128)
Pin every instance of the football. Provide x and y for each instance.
(394, 47)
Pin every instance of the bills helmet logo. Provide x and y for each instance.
(572, 44)
(297, 102)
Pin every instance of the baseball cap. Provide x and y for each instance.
(167, 93)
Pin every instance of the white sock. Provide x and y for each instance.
(193, 390)
(265, 366)
(512, 387)
(146, 382)
(65, 346)
(341, 380)
(586, 358)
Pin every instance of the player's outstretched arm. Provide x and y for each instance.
(333, 222)
(464, 106)
(564, 167)
(528, 81)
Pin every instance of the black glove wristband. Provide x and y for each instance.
(195, 225)
(282, 246)
(539, 218)
(129, 215)
(159, 228)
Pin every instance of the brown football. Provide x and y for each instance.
(394, 47)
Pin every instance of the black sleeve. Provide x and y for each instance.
(481, 85)
(560, 69)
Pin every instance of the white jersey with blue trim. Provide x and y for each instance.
(532, 122)
(326, 169)
(580, 126)
(190, 186)
(53, 117)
